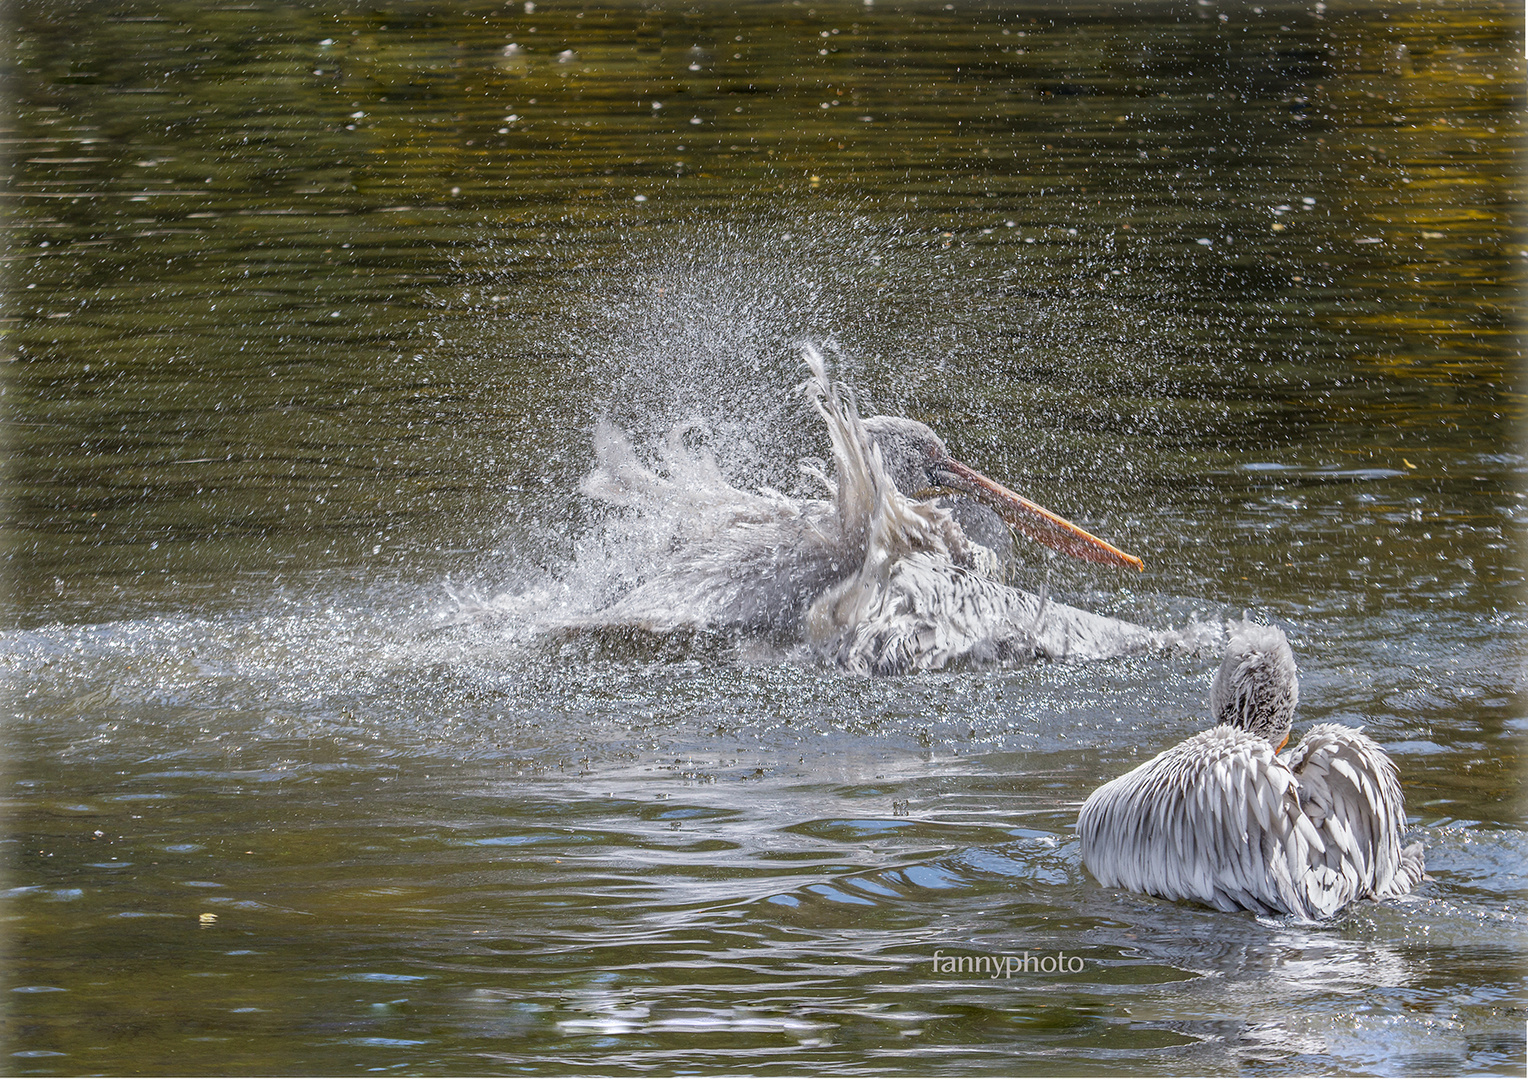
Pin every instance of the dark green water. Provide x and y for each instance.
(311, 313)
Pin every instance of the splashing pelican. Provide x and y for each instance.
(878, 576)
(1225, 819)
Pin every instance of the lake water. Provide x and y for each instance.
(312, 312)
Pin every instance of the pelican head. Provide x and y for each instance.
(917, 462)
(1256, 688)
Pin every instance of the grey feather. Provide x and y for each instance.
(1221, 819)
(874, 578)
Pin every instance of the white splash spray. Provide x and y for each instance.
(866, 576)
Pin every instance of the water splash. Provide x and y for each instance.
(867, 576)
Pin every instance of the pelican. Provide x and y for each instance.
(878, 577)
(1225, 819)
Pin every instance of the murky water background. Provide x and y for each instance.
(311, 313)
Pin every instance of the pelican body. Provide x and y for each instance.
(878, 577)
(1225, 819)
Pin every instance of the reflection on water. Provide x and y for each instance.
(467, 859)
(313, 314)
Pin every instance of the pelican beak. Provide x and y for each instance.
(1031, 519)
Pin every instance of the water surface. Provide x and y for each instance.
(313, 312)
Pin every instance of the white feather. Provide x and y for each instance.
(875, 580)
(1222, 820)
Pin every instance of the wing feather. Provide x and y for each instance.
(1350, 791)
(919, 610)
(1213, 819)
(1221, 819)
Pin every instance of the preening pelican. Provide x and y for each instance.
(877, 576)
(1225, 819)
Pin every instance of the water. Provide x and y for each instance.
(285, 379)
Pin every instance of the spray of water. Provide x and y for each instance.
(685, 352)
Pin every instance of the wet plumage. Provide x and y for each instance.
(1225, 819)
(873, 576)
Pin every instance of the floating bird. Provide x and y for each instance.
(878, 576)
(1225, 819)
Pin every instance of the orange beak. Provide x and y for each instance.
(1032, 519)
